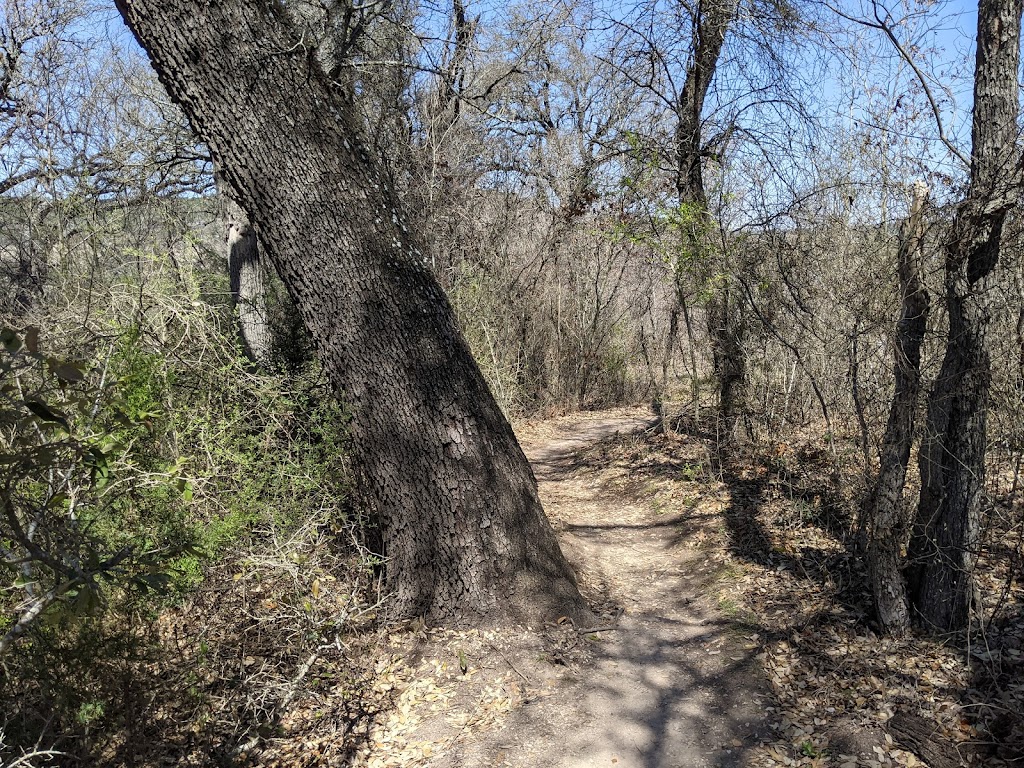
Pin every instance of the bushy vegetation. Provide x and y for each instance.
(140, 450)
(179, 536)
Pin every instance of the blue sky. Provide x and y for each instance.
(864, 89)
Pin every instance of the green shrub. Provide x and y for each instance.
(140, 462)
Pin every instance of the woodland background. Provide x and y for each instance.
(165, 430)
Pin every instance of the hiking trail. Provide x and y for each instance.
(669, 680)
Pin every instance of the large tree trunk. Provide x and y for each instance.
(466, 538)
(944, 547)
(889, 522)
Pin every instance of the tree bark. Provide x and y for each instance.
(248, 283)
(725, 322)
(728, 329)
(925, 739)
(710, 25)
(466, 539)
(889, 522)
(944, 546)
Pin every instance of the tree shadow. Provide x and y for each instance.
(208, 684)
(790, 514)
(750, 483)
(671, 685)
(995, 687)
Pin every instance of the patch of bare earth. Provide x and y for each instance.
(733, 628)
(668, 677)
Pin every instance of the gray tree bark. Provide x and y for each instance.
(889, 522)
(466, 539)
(711, 24)
(944, 547)
(247, 276)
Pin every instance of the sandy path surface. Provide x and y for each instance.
(671, 682)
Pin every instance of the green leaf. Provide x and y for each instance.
(66, 371)
(46, 413)
(100, 465)
(153, 582)
(10, 340)
(87, 601)
(57, 500)
(184, 487)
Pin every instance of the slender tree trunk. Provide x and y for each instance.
(711, 23)
(858, 399)
(248, 283)
(670, 341)
(32, 267)
(947, 530)
(727, 335)
(725, 322)
(465, 536)
(691, 347)
(889, 522)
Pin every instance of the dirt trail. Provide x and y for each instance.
(673, 684)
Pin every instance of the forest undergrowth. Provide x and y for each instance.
(183, 554)
(283, 654)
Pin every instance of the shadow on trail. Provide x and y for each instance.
(750, 485)
(670, 686)
(673, 683)
(680, 702)
(784, 511)
(833, 571)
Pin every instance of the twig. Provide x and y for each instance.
(507, 661)
(293, 689)
(886, 29)
(603, 627)
(303, 671)
(24, 759)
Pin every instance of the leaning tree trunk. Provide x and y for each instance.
(465, 536)
(947, 530)
(888, 521)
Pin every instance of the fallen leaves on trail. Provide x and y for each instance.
(778, 528)
(437, 704)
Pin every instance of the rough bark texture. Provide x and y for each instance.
(889, 522)
(944, 547)
(727, 325)
(466, 538)
(711, 24)
(925, 739)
